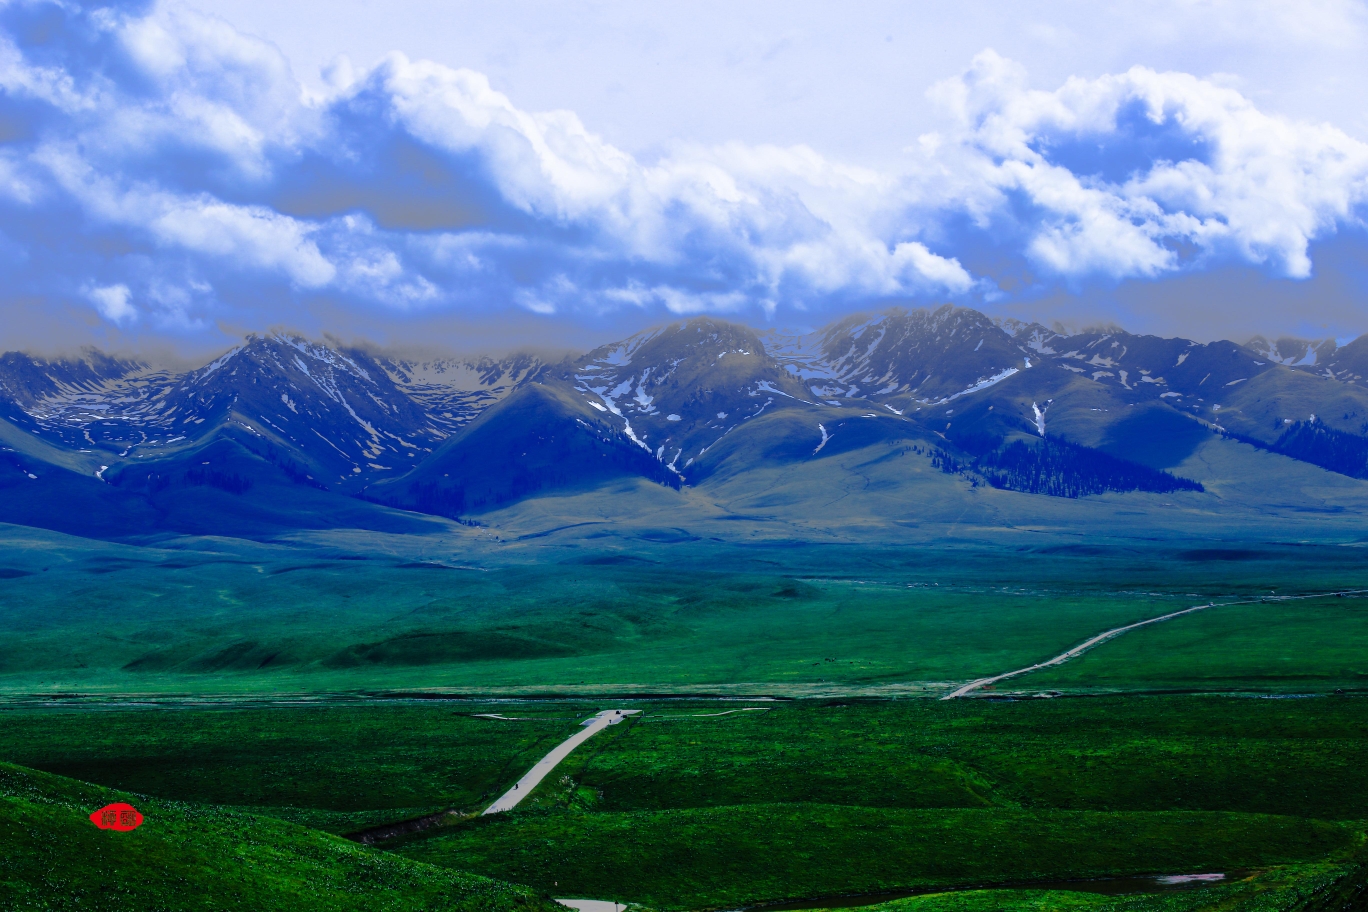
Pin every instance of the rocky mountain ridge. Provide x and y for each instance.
(676, 405)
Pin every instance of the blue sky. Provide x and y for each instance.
(553, 173)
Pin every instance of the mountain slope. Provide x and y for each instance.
(929, 356)
(680, 389)
(335, 413)
(283, 432)
(1150, 367)
(541, 438)
(453, 392)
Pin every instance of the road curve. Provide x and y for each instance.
(591, 726)
(1116, 632)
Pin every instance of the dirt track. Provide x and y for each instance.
(1117, 631)
(524, 786)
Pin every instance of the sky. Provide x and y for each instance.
(492, 175)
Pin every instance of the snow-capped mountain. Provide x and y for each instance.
(1293, 352)
(1146, 366)
(675, 405)
(681, 388)
(339, 414)
(454, 391)
(920, 356)
(334, 411)
(1324, 357)
(68, 399)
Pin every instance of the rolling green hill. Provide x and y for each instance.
(187, 856)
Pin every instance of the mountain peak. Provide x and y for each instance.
(28, 378)
(920, 355)
(675, 403)
(1293, 352)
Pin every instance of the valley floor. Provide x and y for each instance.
(691, 805)
(684, 614)
(259, 701)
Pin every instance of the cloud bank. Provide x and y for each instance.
(164, 173)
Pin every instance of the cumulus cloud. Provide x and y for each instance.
(113, 302)
(168, 170)
(162, 147)
(1137, 174)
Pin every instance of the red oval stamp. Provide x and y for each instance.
(120, 816)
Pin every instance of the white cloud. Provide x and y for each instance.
(683, 302)
(114, 303)
(1254, 185)
(913, 262)
(808, 71)
(546, 163)
(248, 235)
(169, 149)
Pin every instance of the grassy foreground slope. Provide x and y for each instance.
(338, 767)
(685, 808)
(345, 766)
(1293, 888)
(711, 804)
(759, 853)
(189, 857)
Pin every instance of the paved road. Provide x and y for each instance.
(1116, 632)
(536, 774)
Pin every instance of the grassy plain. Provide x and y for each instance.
(822, 798)
(668, 615)
(256, 684)
(696, 805)
(1301, 758)
(725, 857)
(1314, 645)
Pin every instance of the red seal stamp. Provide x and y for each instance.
(121, 817)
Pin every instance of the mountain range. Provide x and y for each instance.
(282, 432)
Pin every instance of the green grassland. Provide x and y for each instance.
(1307, 758)
(663, 612)
(1313, 645)
(686, 809)
(738, 856)
(335, 767)
(1293, 888)
(258, 698)
(188, 856)
(694, 805)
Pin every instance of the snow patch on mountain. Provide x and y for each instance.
(825, 438)
(981, 385)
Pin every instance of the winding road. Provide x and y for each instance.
(1117, 631)
(524, 786)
